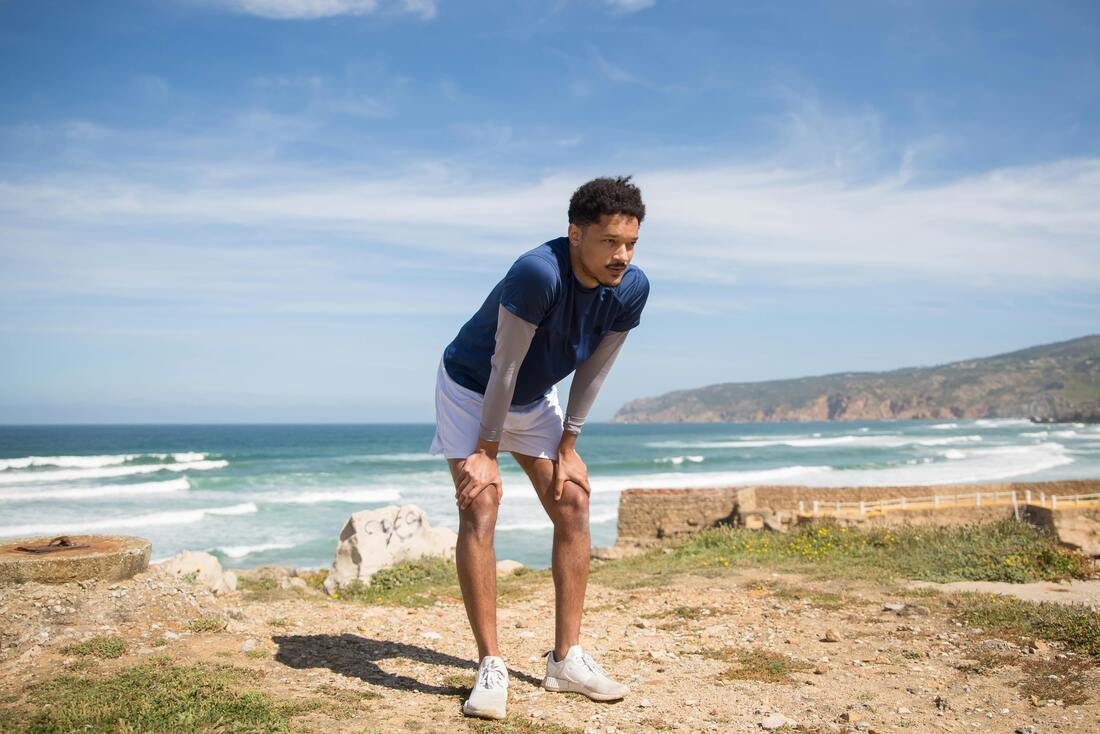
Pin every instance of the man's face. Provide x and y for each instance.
(601, 251)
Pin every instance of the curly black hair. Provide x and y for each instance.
(605, 196)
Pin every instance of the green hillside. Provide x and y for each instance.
(1051, 382)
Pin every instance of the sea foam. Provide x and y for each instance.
(90, 462)
(66, 475)
(138, 489)
(173, 517)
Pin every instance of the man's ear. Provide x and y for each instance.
(574, 234)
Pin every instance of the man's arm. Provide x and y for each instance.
(513, 339)
(587, 380)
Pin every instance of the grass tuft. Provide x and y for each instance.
(757, 664)
(104, 646)
(156, 696)
(1076, 627)
(207, 624)
(415, 583)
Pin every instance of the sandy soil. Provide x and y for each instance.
(886, 673)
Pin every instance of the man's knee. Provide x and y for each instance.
(480, 517)
(572, 508)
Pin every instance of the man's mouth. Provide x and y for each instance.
(616, 268)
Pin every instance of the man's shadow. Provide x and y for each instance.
(356, 656)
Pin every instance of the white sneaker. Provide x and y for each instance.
(490, 691)
(579, 673)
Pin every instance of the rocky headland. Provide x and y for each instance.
(1048, 383)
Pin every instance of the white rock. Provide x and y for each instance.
(374, 539)
(205, 568)
(775, 721)
(508, 567)
(249, 645)
(430, 635)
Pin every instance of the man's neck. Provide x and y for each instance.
(578, 270)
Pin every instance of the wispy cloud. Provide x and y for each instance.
(311, 9)
(630, 6)
(1009, 226)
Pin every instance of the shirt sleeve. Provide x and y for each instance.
(634, 302)
(513, 339)
(529, 288)
(589, 377)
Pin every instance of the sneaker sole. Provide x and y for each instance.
(482, 713)
(559, 685)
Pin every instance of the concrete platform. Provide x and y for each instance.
(108, 557)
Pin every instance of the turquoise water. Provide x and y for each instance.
(260, 494)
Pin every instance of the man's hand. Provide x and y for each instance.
(569, 467)
(479, 472)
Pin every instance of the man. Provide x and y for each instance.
(566, 304)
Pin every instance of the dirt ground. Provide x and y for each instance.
(886, 672)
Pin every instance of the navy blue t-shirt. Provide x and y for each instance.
(541, 289)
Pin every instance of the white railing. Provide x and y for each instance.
(947, 501)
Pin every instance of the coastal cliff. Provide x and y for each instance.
(1051, 382)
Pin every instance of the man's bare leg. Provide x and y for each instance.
(571, 549)
(476, 565)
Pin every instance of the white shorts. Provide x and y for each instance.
(533, 431)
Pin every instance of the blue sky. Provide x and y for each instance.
(283, 210)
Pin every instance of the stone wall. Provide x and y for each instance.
(648, 515)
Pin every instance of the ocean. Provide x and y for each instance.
(279, 494)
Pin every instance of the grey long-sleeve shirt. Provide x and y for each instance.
(513, 339)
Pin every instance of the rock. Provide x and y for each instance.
(821, 669)
(1078, 531)
(1039, 646)
(617, 551)
(200, 568)
(170, 635)
(431, 635)
(1026, 729)
(776, 721)
(830, 636)
(374, 539)
(249, 645)
(508, 567)
(995, 645)
(892, 607)
(914, 610)
(645, 703)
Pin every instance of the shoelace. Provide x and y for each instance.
(492, 675)
(592, 664)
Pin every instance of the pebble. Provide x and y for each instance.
(645, 703)
(830, 636)
(776, 721)
(431, 635)
(170, 635)
(892, 607)
(249, 645)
